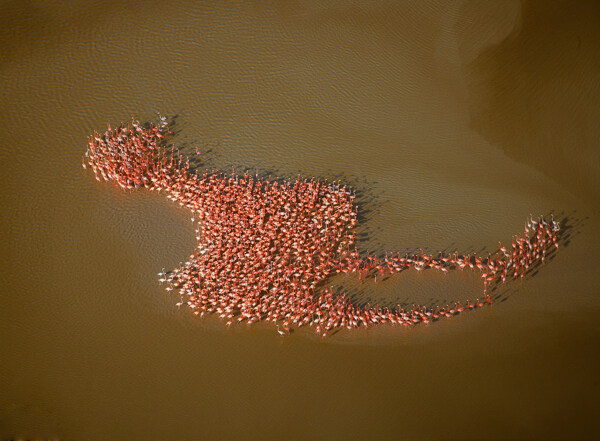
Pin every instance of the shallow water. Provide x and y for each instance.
(454, 121)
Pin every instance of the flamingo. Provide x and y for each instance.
(264, 244)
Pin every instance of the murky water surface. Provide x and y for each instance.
(453, 120)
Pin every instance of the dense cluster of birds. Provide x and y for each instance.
(265, 248)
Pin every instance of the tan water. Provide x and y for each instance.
(454, 120)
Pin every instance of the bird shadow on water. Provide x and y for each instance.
(369, 199)
(570, 227)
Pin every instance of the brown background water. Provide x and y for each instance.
(455, 120)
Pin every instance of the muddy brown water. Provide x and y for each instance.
(453, 120)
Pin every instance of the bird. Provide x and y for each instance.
(265, 245)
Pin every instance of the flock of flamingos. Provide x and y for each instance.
(265, 248)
